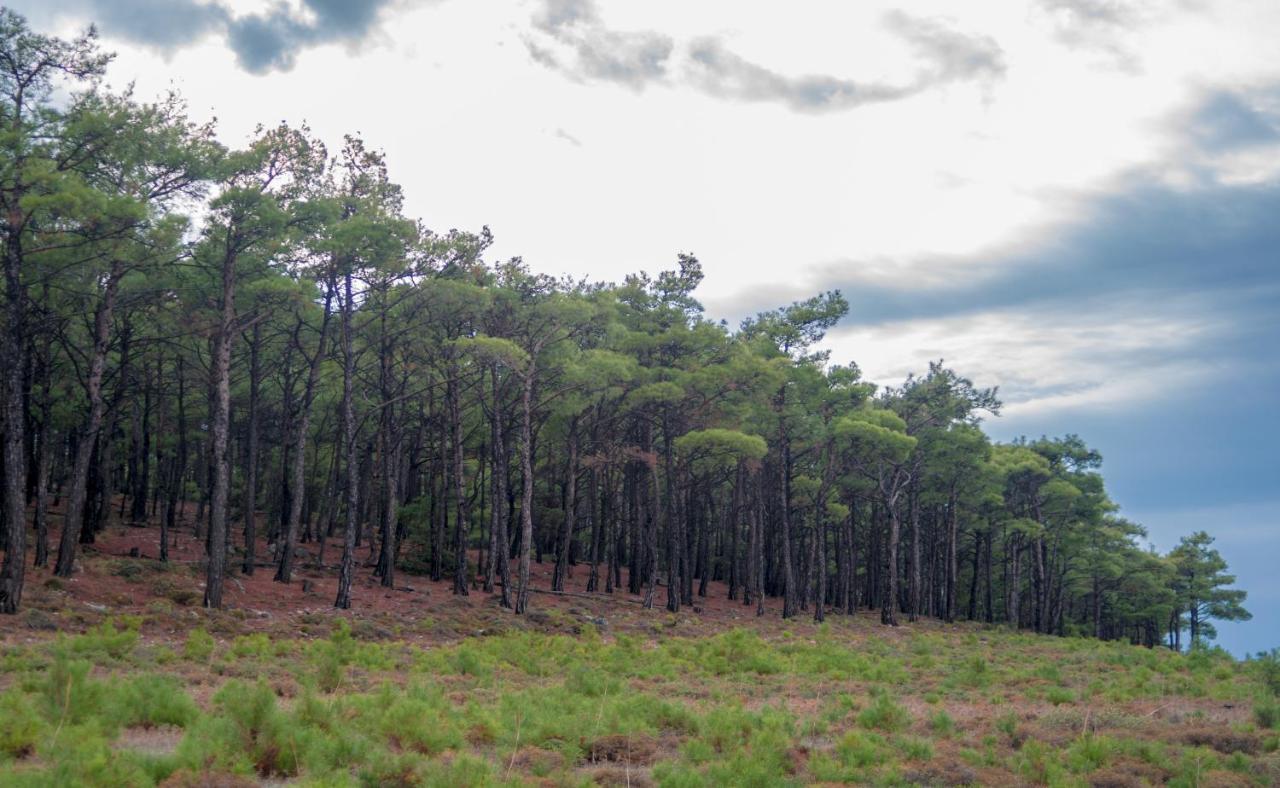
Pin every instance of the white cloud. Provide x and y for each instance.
(1041, 361)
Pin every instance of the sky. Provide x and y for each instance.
(1077, 201)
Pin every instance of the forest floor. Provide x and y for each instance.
(117, 676)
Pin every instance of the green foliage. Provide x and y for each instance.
(942, 724)
(548, 706)
(106, 639)
(1266, 666)
(884, 714)
(21, 725)
(1266, 713)
(149, 701)
(331, 657)
(199, 646)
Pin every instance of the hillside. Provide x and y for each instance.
(116, 676)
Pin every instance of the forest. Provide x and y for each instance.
(260, 341)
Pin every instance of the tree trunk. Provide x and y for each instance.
(302, 425)
(953, 564)
(570, 511)
(12, 363)
(526, 470)
(220, 418)
(889, 604)
(251, 455)
(346, 570)
(462, 526)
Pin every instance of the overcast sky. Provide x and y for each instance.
(1075, 200)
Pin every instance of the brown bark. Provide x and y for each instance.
(346, 569)
(219, 432)
(73, 518)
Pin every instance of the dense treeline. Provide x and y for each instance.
(262, 335)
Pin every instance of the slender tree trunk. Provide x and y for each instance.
(889, 604)
(462, 527)
(347, 569)
(13, 350)
(953, 564)
(651, 521)
(597, 531)
(302, 425)
(526, 470)
(251, 455)
(570, 511)
(915, 596)
(219, 433)
(789, 600)
(73, 512)
(390, 504)
(973, 581)
(501, 468)
(178, 472)
(44, 458)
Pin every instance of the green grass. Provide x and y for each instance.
(739, 707)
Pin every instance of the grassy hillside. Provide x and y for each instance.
(456, 692)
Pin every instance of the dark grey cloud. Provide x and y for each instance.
(272, 40)
(262, 42)
(945, 55)
(1212, 241)
(595, 52)
(572, 38)
(161, 24)
(1227, 121)
(721, 73)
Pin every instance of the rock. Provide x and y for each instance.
(308, 587)
(135, 552)
(38, 619)
(94, 606)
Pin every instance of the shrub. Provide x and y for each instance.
(942, 724)
(1008, 725)
(106, 640)
(70, 695)
(256, 645)
(420, 724)
(332, 656)
(861, 750)
(246, 733)
(20, 724)
(1089, 752)
(1059, 695)
(149, 701)
(884, 714)
(1266, 713)
(199, 646)
(916, 748)
(1266, 667)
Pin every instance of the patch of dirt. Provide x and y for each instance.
(616, 748)
(150, 741)
(946, 774)
(1224, 740)
(186, 779)
(535, 760)
(619, 775)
